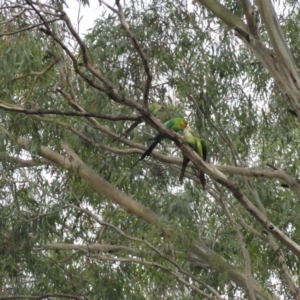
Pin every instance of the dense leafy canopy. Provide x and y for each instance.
(80, 220)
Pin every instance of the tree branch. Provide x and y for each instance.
(18, 161)
(17, 108)
(239, 195)
(282, 51)
(159, 266)
(41, 297)
(250, 16)
(28, 28)
(149, 245)
(74, 163)
(281, 68)
(14, 16)
(90, 248)
(139, 149)
(286, 272)
(108, 6)
(247, 260)
(104, 187)
(205, 257)
(141, 53)
(232, 20)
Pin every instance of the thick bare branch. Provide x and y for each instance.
(250, 16)
(282, 51)
(232, 20)
(90, 248)
(74, 163)
(281, 66)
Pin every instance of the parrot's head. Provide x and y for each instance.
(186, 129)
(183, 123)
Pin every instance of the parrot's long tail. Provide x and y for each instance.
(184, 164)
(149, 150)
(202, 178)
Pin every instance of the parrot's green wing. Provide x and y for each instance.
(160, 111)
(154, 108)
(198, 147)
(193, 133)
(175, 124)
(204, 149)
(201, 145)
(169, 124)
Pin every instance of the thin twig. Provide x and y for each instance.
(127, 131)
(108, 6)
(246, 255)
(28, 28)
(141, 53)
(120, 117)
(157, 265)
(14, 17)
(149, 245)
(42, 296)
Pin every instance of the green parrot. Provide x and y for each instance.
(160, 111)
(157, 109)
(175, 124)
(199, 146)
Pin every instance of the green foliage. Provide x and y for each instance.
(200, 71)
